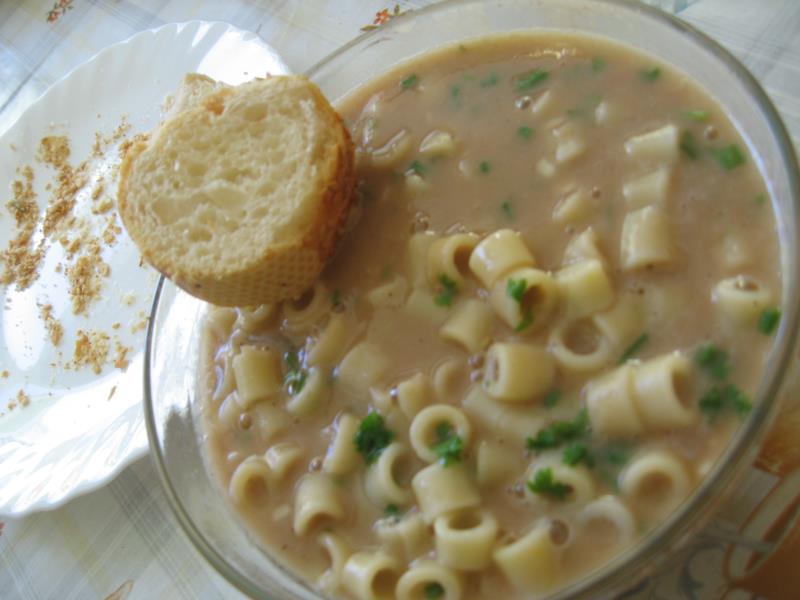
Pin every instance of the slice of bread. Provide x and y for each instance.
(240, 200)
(190, 93)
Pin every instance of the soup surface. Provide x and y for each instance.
(541, 329)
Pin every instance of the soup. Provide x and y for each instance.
(542, 328)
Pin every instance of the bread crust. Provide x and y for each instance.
(280, 271)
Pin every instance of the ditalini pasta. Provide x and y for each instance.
(547, 317)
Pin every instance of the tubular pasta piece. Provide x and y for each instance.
(578, 478)
(251, 482)
(607, 516)
(316, 500)
(663, 392)
(646, 239)
(585, 246)
(656, 146)
(413, 394)
(392, 152)
(381, 480)
(498, 254)
(495, 464)
(422, 433)
(421, 304)
(580, 347)
(258, 375)
(741, 300)
(418, 246)
(391, 295)
(312, 397)
(449, 256)
(337, 551)
(648, 190)
(470, 325)
(530, 563)
(612, 405)
(331, 344)
(506, 421)
(464, 539)
(623, 322)
(655, 483)
(300, 316)
(538, 302)
(342, 456)
(282, 458)
(406, 537)
(584, 288)
(362, 367)
(441, 489)
(371, 575)
(573, 207)
(414, 582)
(438, 143)
(518, 372)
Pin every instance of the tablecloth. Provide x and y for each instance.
(121, 542)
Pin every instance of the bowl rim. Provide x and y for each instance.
(741, 450)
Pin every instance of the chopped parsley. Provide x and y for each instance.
(559, 432)
(455, 95)
(768, 320)
(484, 166)
(545, 484)
(634, 348)
(386, 272)
(516, 288)
(507, 209)
(617, 454)
(410, 81)
(650, 74)
(527, 320)
(336, 297)
(721, 398)
(530, 80)
(525, 132)
(729, 157)
(296, 375)
(433, 591)
(490, 80)
(697, 115)
(372, 437)
(598, 65)
(392, 510)
(713, 360)
(448, 291)
(448, 445)
(688, 145)
(577, 452)
(417, 167)
(761, 199)
(552, 398)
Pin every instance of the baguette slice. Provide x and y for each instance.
(190, 93)
(240, 200)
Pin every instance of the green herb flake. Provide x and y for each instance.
(559, 432)
(530, 80)
(768, 320)
(417, 167)
(576, 112)
(386, 273)
(697, 115)
(713, 360)
(490, 80)
(484, 166)
(448, 445)
(761, 199)
(631, 350)
(545, 484)
(527, 320)
(372, 437)
(688, 144)
(719, 399)
(617, 454)
(296, 375)
(433, 591)
(448, 291)
(552, 398)
(525, 132)
(455, 95)
(651, 74)
(410, 81)
(336, 298)
(598, 65)
(516, 288)
(392, 510)
(577, 452)
(729, 157)
(507, 209)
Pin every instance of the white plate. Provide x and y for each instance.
(72, 437)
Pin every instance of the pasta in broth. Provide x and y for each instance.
(532, 347)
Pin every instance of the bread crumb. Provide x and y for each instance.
(91, 349)
(112, 392)
(85, 277)
(21, 399)
(21, 260)
(121, 360)
(4, 374)
(55, 331)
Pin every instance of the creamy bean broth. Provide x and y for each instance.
(546, 320)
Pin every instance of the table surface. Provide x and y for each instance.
(121, 542)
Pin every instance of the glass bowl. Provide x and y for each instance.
(173, 339)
